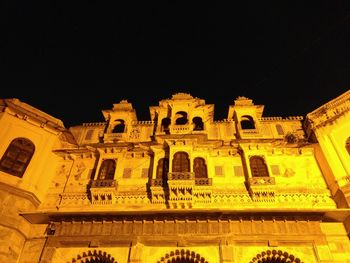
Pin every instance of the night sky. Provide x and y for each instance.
(74, 59)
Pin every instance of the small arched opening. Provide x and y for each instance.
(181, 118)
(247, 122)
(198, 124)
(119, 126)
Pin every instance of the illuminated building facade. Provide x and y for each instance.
(180, 187)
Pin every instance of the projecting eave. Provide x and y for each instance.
(325, 215)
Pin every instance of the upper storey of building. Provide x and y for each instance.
(185, 115)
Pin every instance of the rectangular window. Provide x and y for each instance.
(144, 172)
(219, 171)
(127, 173)
(238, 170)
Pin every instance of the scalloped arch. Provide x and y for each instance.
(95, 256)
(182, 256)
(275, 256)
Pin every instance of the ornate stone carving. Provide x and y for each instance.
(275, 256)
(134, 134)
(262, 189)
(103, 191)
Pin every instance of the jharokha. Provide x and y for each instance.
(178, 188)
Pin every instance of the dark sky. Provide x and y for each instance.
(73, 59)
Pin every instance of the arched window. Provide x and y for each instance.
(258, 167)
(181, 162)
(198, 124)
(275, 256)
(347, 145)
(279, 129)
(247, 122)
(94, 257)
(200, 168)
(17, 157)
(182, 256)
(119, 126)
(165, 125)
(162, 168)
(181, 118)
(107, 170)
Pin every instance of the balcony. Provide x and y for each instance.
(103, 192)
(262, 189)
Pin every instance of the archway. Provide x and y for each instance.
(247, 122)
(274, 256)
(182, 256)
(94, 257)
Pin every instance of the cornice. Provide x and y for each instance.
(325, 215)
(21, 193)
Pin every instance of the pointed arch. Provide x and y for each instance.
(17, 157)
(182, 256)
(94, 257)
(181, 162)
(258, 167)
(275, 256)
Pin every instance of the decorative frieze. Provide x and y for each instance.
(187, 228)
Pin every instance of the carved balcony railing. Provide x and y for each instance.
(203, 181)
(249, 133)
(180, 176)
(181, 190)
(103, 191)
(103, 183)
(180, 129)
(262, 189)
(258, 181)
(157, 187)
(157, 182)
